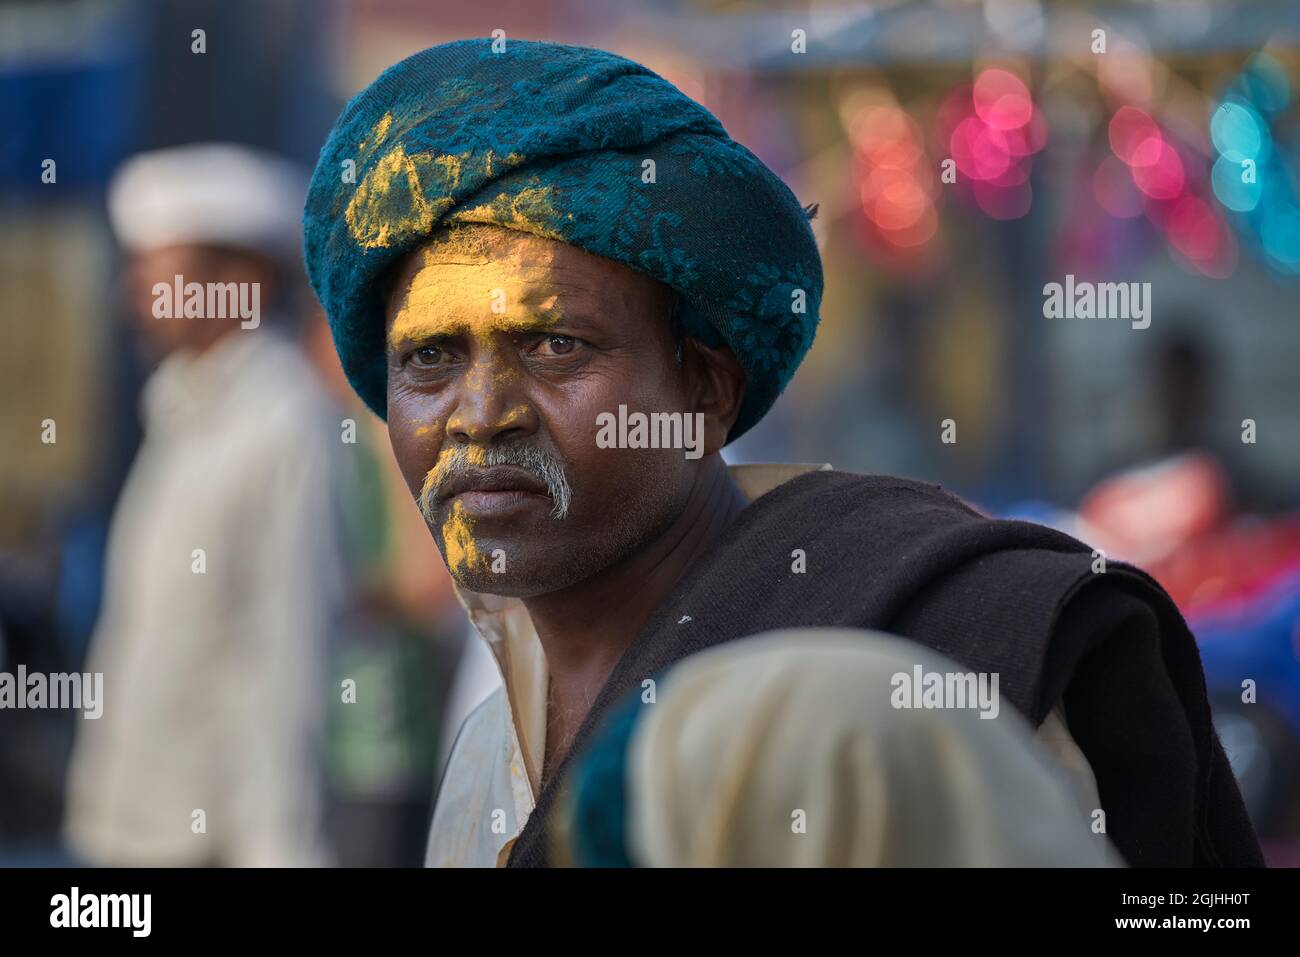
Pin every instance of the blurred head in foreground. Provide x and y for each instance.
(786, 750)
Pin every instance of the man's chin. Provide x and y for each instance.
(484, 581)
(497, 568)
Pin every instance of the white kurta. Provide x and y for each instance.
(489, 786)
(223, 580)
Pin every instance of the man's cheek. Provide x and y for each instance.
(623, 476)
(413, 449)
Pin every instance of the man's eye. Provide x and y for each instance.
(557, 345)
(427, 356)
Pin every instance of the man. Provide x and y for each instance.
(221, 576)
(544, 249)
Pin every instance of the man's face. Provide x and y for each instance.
(505, 347)
(193, 263)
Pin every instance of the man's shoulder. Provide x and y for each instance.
(895, 513)
(876, 551)
(854, 488)
(886, 510)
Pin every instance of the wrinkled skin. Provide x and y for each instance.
(572, 336)
(578, 335)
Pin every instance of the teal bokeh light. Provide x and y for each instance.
(1260, 198)
(1239, 132)
(1280, 234)
(1265, 83)
(1230, 181)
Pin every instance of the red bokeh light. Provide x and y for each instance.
(1002, 100)
(894, 180)
(1028, 139)
(893, 199)
(1134, 137)
(1163, 178)
(980, 151)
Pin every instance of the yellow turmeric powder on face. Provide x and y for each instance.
(458, 530)
(474, 455)
(458, 541)
(476, 281)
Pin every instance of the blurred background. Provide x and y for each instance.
(963, 153)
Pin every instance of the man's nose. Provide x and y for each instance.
(490, 403)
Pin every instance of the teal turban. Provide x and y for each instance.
(556, 141)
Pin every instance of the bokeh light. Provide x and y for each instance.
(1231, 189)
(1165, 177)
(1194, 229)
(980, 150)
(896, 185)
(1280, 234)
(1002, 100)
(1134, 137)
(1265, 83)
(1238, 132)
(1250, 178)
(992, 129)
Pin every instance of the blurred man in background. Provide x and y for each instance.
(223, 569)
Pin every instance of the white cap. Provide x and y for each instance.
(209, 193)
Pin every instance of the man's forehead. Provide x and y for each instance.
(482, 271)
(481, 243)
(462, 253)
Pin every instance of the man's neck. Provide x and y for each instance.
(584, 629)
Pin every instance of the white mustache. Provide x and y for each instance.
(541, 463)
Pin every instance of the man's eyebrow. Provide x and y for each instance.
(426, 330)
(538, 307)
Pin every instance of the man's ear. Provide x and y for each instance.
(716, 382)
